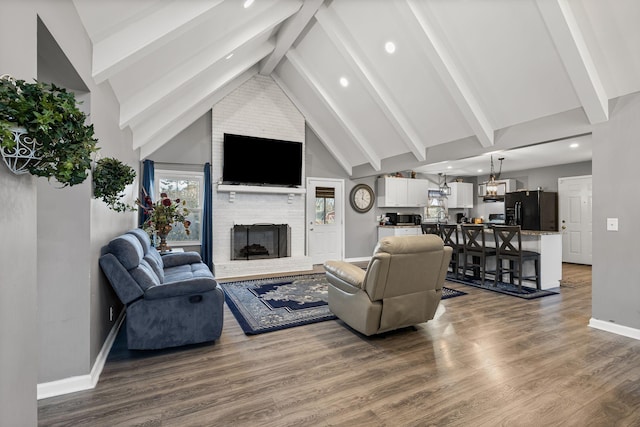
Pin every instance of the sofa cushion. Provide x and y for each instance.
(127, 249)
(156, 264)
(142, 237)
(187, 271)
(144, 275)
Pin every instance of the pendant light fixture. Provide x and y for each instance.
(445, 190)
(491, 187)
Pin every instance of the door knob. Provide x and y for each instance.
(564, 227)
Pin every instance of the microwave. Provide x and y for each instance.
(396, 218)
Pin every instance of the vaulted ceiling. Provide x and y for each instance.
(378, 81)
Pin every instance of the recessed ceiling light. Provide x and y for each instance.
(247, 3)
(390, 47)
(449, 167)
(479, 170)
(229, 56)
(344, 82)
(574, 145)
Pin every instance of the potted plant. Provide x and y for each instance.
(110, 177)
(43, 132)
(162, 215)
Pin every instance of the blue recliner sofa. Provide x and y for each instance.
(171, 300)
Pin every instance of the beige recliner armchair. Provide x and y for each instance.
(402, 285)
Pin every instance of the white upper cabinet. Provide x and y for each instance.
(402, 192)
(461, 195)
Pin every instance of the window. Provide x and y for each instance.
(325, 205)
(188, 186)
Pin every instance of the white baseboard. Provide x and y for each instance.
(615, 328)
(83, 382)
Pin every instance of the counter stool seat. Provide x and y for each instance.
(449, 234)
(474, 246)
(509, 247)
(430, 228)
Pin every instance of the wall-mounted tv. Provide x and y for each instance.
(261, 161)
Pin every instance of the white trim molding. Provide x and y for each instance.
(625, 331)
(82, 382)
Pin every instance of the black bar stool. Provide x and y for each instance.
(474, 246)
(430, 228)
(509, 247)
(449, 235)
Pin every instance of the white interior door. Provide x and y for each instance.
(325, 219)
(575, 202)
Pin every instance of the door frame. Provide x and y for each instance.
(309, 215)
(565, 178)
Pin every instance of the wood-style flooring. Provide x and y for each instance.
(487, 359)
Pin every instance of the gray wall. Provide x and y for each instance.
(616, 294)
(18, 251)
(547, 177)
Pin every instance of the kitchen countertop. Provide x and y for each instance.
(523, 232)
(399, 226)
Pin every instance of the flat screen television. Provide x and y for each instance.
(261, 161)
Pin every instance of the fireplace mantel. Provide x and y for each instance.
(233, 189)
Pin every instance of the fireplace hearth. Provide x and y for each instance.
(260, 241)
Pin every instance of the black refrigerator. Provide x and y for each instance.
(532, 210)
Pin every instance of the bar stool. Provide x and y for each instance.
(473, 242)
(430, 228)
(509, 247)
(449, 235)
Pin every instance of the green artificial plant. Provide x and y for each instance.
(51, 116)
(110, 177)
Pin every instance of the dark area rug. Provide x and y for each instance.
(503, 288)
(265, 305)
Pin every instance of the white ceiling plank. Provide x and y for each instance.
(134, 107)
(316, 126)
(339, 115)
(170, 130)
(346, 44)
(122, 48)
(182, 101)
(288, 34)
(449, 72)
(573, 51)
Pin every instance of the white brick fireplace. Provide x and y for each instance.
(257, 108)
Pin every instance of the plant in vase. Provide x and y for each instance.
(162, 215)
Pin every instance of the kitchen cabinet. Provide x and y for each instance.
(461, 195)
(402, 192)
(385, 231)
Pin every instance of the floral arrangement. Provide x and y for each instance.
(161, 215)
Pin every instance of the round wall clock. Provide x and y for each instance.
(361, 198)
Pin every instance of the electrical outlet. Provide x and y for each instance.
(110, 314)
(612, 224)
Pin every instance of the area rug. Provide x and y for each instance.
(503, 288)
(266, 305)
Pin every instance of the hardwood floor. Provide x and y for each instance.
(486, 360)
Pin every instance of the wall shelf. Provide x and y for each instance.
(233, 189)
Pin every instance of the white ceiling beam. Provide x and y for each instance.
(577, 60)
(174, 128)
(362, 68)
(316, 126)
(170, 130)
(134, 41)
(339, 115)
(288, 34)
(134, 108)
(182, 101)
(449, 71)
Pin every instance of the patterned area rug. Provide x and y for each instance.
(266, 305)
(503, 288)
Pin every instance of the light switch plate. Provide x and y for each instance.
(612, 224)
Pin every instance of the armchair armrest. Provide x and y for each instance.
(346, 272)
(180, 258)
(192, 286)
